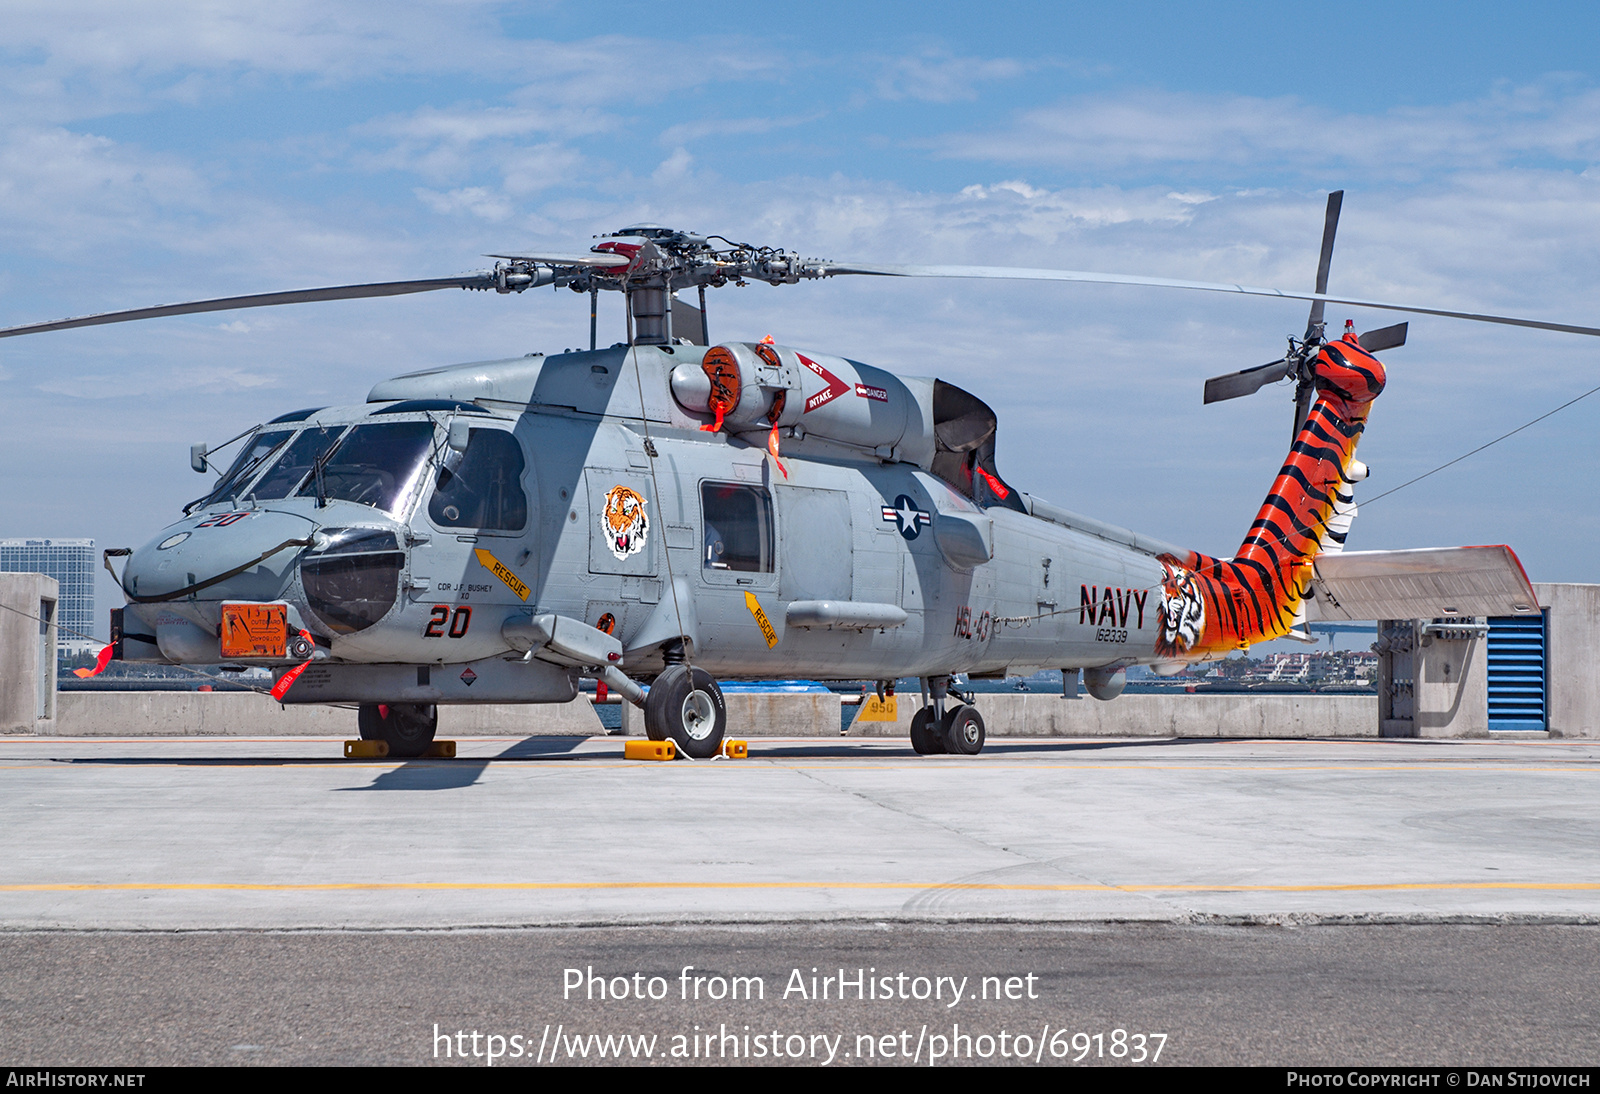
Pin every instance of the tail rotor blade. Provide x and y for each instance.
(1330, 226)
(1246, 382)
(1384, 338)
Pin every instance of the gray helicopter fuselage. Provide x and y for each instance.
(587, 489)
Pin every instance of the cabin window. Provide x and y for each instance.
(738, 527)
(485, 491)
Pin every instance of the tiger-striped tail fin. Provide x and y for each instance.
(1259, 594)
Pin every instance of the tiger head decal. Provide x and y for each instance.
(624, 522)
(1183, 611)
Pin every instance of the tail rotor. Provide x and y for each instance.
(1298, 362)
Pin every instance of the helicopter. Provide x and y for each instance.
(666, 512)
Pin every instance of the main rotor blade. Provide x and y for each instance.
(828, 269)
(1383, 338)
(1245, 382)
(262, 300)
(1330, 225)
(593, 261)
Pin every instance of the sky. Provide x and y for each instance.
(153, 151)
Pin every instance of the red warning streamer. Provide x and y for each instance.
(772, 449)
(772, 438)
(1000, 489)
(281, 688)
(100, 664)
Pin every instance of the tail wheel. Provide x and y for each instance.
(686, 707)
(963, 731)
(407, 727)
(925, 737)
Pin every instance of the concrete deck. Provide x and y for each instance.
(199, 832)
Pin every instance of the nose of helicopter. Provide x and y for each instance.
(235, 556)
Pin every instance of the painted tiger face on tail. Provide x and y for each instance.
(1183, 611)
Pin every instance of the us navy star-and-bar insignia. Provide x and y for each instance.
(907, 518)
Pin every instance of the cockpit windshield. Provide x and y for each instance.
(260, 448)
(376, 465)
(284, 476)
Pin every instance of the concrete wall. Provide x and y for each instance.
(24, 663)
(755, 714)
(1039, 714)
(236, 714)
(1451, 682)
(191, 713)
(1452, 687)
(241, 714)
(1572, 654)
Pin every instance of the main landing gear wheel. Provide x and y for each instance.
(407, 727)
(925, 737)
(685, 706)
(963, 731)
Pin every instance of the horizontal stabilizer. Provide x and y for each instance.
(1431, 583)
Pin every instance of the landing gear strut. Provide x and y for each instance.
(934, 729)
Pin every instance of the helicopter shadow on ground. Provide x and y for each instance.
(424, 774)
(457, 774)
(847, 749)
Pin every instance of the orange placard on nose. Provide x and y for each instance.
(254, 630)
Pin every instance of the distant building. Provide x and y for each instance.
(71, 563)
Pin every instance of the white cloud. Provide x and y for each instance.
(940, 77)
(1102, 132)
(675, 166)
(70, 191)
(685, 132)
(474, 200)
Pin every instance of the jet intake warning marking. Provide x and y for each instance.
(503, 572)
(907, 518)
(836, 387)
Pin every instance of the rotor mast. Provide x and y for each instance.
(649, 264)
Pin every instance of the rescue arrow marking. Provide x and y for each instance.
(767, 632)
(503, 572)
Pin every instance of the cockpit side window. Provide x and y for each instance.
(252, 456)
(738, 527)
(485, 491)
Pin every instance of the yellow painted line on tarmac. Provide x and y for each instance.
(552, 886)
(579, 762)
(1242, 767)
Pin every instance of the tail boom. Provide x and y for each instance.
(1256, 595)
